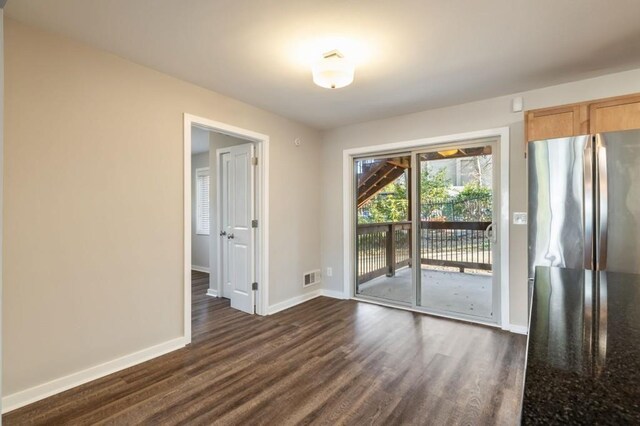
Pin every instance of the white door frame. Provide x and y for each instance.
(502, 136)
(262, 205)
(219, 214)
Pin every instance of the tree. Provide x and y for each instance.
(434, 185)
(474, 203)
(437, 200)
(389, 205)
(434, 192)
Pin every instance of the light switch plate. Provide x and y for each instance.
(519, 218)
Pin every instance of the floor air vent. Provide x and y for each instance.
(311, 278)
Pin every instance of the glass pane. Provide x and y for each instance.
(456, 211)
(383, 229)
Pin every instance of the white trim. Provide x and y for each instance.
(262, 144)
(200, 268)
(348, 246)
(504, 226)
(347, 190)
(219, 252)
(290, 303)
(518, 329)
(3, 2)
(212, 292)
(294, 301)
(332, 293)
(186, 230)
(36, 393)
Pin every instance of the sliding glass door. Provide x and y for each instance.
(457, 230)
(425, 234)
(383, 228)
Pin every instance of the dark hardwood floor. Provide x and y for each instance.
(326, 361)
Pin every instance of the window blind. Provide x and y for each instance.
(202, 201)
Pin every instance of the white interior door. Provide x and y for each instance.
(225, 225)
(237, 196)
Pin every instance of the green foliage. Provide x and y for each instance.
(434, 186)
(473, 190)
(389, 205)
(434, 193)
(472, 203)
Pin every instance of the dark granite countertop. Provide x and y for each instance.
(583, 355)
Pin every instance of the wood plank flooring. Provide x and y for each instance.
(325, 361)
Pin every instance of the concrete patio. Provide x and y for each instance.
(456, 292)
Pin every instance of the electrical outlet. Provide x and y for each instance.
(329, 271)
(519, 218)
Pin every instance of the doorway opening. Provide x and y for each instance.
(428, 227)
(225, 203)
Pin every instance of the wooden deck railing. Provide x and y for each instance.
(384, 247)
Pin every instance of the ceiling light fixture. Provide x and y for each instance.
(448, 152)
(333, 71)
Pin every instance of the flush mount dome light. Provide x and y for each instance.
(448, 152)
(333, 71)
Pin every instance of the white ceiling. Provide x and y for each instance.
(411, 55)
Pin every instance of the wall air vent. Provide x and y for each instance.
(311, 278)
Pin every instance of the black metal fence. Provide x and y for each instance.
(472, 209)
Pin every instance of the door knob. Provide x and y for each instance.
(223, 233)
(230, 237)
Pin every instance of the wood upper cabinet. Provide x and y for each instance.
(604, 115)
(570, 120)
(610, 115)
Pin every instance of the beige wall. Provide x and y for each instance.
(487, 114)
(93, 204)
(199, 243)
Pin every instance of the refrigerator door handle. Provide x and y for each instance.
(587, 214)
(603, 204)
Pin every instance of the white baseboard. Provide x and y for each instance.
(289, 303)
(333, 293)
(212, 292)
(200, 268)
(36, 393)
(519, 329)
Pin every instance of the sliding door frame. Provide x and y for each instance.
(354, 212)
(501, 135)
(496, 201)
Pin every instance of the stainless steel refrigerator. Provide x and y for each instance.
(584, 202)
